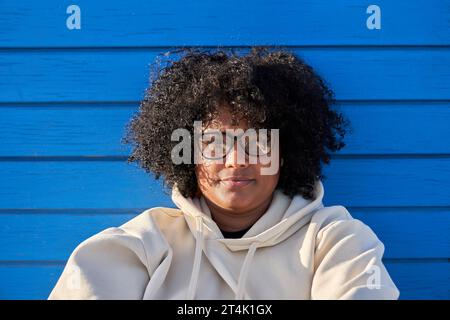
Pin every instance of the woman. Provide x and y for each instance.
(243, 228)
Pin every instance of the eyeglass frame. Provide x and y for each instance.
(229, 135)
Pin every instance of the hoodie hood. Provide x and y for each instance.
(284, 216)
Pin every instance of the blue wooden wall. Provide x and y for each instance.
(66, 95)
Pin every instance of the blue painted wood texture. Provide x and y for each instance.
(66, 96)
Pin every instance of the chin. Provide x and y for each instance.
(236, 209)
(237, 203)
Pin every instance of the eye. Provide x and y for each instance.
(264, 144)
(264, 148)
(212, 145)
(210, 137)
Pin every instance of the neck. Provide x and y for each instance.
(229, 220)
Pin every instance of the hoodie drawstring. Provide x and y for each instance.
(244, 271)
(198, 258)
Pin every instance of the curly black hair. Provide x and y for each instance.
(269, 88)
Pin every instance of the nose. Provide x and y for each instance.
(236, 158)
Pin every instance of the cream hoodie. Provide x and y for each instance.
(298, 249)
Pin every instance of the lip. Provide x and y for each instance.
(236, 178)
(236, 182)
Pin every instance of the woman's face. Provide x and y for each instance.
(215, 178)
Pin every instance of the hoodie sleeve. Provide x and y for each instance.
(109, 265)
(348, 264)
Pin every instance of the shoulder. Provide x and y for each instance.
(139, 238)
(348, 258)
(118, 261)
(152, 220)
(335, 223)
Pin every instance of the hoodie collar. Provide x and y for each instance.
(284, 215)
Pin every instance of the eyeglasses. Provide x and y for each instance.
(216, 145)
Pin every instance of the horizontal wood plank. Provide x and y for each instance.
(116, 184)
(421, 279)
(65, 130)
(122, 75)
(97, 129)
(172, 23)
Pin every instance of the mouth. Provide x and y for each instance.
(236, 183)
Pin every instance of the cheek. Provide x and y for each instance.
(268, 182)
(207, 172)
